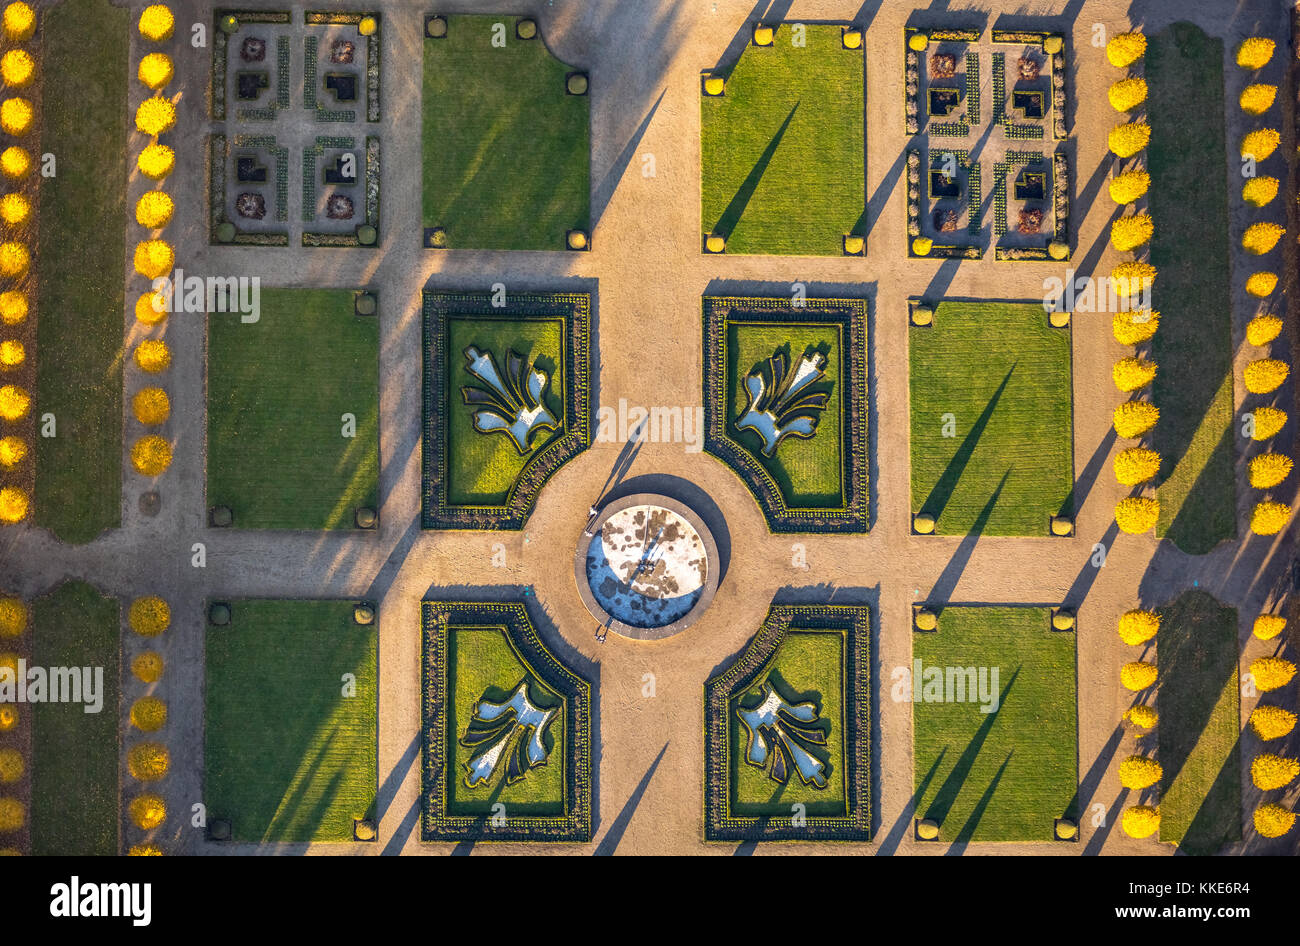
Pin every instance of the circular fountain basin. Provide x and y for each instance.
(646, 567)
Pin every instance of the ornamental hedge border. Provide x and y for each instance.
(1060, 211)
(218, 154)
(437, 512)
(221, 51)
(373, 45)
(854, 622)
(437, 824)
(851, 315)
(1056, 62)
(372, 195)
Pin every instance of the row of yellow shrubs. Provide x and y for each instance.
(18, 71)
(148, 762)
(151, 454)
(14, 618)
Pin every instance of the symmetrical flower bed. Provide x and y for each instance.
(800, 772)
(479, 480)
(816, 483)
(539, 785)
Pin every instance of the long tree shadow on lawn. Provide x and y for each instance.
(942, 492)
(1211, 827)
(731, 216)
(946, 583)
(890, 844)
(946, 797)
(1206, 516)
(967, 832)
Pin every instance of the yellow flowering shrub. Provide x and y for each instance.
(148, 761)
(156, 23)
(1259, 191)
(1133, 374)
(13, 616)
(922, 246)
(1263, 329)
(155, 116)
(148, 714)
(1137, 675)
(15, 259)
(1257, 98)
(8, 717)
(1127, 94)
(1271, 673)
(1128, 139)
(1138, 626)
(17, 68)
(12, 815)
(154, 258)
(20, 21)
(151, 308)
(1136, 465)
(151, 406)
(15, 162)
(15, 209)
(1260, 143)
(1132, 277)
(1268, 626)
(11, 765)
(1134, 326)
(155, 71)
(1143, 717)
(1268, 421)
(144, 850)
(1271, 722)
(1135, 418)
(156, 161)
(148, 811)
(1137, 514)
(1138, 772)
(151, 455)
(1255, 52)
(1131, 231)
(153, 356)
(1141, 821)
(1269, 518)
(1124, 49)
(154, 209)
(1261, 237)
(1273, 821)
(1269, 771)
(17, 116)
(1269, 469)
(1261, 285)
(15, 402)
(13, 450)
(1129, 186)
(367, 26)
(148, 667)
(1265, 375)
(149, 616)
(12, 354)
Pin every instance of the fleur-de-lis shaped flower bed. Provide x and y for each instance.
(513, 731)
(512, 403)
(780, 402)
(781, 732)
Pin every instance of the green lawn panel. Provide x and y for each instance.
(78, 264)
(277, 392)
(288, 756)
(1004, 375)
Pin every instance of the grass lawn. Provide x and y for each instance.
(484, 665)
(1191, 252)
(809, 666)
(1005, 775)
(482, 467)
(78, 264)
(1200, 724)
(277, 392)
(1003, 374)
(288, 756)
(783, 151)
(75, 753)
(809, 472)
(507, 154)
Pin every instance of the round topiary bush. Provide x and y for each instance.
(922, 315)
(576, 240)
(1260, 143)
(148, 811)
(368, 26)
(921, 246)
(1127, 94)
(153, 356)
(1124, 49)
(148, 761)
(151, 406)
(17, 116)
(1272, 722)
(8, 717)
(1128, 139)
(13, 450)
(1058, 250)
(1259, 191)
(926, 620)
(1269, 421)
(1269, 469)
(1263, 329)
(1268, 626)
(15, 402)
(1261, 285)
(1271, 673)
(1138, 772)
(156, 23)
(156, 161)
(14, 504)
(154, 258)
(1063, 620)
(1143, 717)
(13, 815)
(526, 28)
(1261, 237)
(13, 307)
(1137, 514)
(1133, 419)
(715, 243)
(19, 21)
(1137, 675)
(144, 850)
(15, 162)
(154, 210)
(11, 766)
(1269, 518)
(576, 84)
(13, 617)
(366, 304)
(927, 829)
(1132, 278)
(714, 85)
(17, 68)
(148, 714)
(1061, 525)
(1138, 626)
(1129, 186)
(1265, 375)
(219, 614)
(1273, 821)
(1066, 830)
(1269, 771)
(148, 667)
(12, 354)
(155, 116)
(1131, 231)
(1132, 374)
(923, 524)
(155, 71)
(367, 235)
(1141, 821)
(1255, 52)
(15, 259)
(1136, 465)
(15, 209)
(151, 455)
(149, 616)
(1257, 98)
(918, 42)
